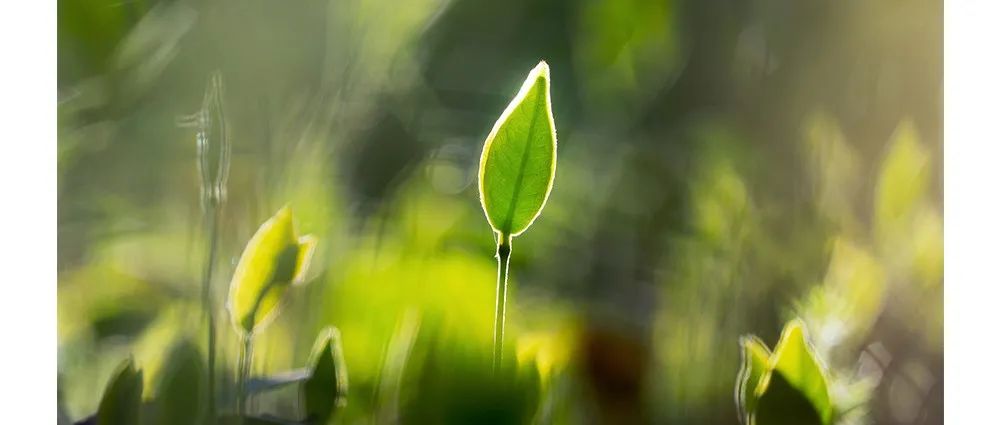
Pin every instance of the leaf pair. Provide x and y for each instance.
(275, 258)
(788, 386)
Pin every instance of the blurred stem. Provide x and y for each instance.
(213, 167)
(212, 218)
(245, 359)
(503, 263)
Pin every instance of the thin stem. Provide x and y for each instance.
(206, 302)
(503, 263)
(245, 360)
(213, 147)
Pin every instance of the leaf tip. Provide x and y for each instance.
(542, 69)
(284, 211)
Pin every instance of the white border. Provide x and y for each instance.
(28, 193)
(972, 210)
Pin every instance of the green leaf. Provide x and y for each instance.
(755, 362)
(273, 259)
(326, 389)
(122, 400)
(793, 363)
(518, 164)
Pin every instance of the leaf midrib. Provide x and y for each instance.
(509, 221)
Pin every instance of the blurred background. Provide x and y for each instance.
(724, 166)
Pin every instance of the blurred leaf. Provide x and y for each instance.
(122, 400)
(549, 351)
(180, 391)
(274, 258)
(794, 366)
(518, 164)
(836, 170)
(104, 301)
(326, 389)
(928, 247)
(902, 183)
(845, 307)
(630, 49)
(89, 32)
(755, 362)
(721, 204)
(153, 349)
(152, 44)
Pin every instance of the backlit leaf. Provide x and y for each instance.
(273, 259)
(793, 363)
(518, 164)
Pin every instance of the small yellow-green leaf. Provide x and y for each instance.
(326, 389)
(518, 164)
(122, 400)
(273, 259)
(793, 363)
(755, 362)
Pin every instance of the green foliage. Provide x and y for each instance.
(518, 164)
(325, 391)
(122, 400)
(180, 393)
(273, 259)
(791, 388)
(447, 384)
(685, 213)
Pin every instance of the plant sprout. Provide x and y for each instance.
(274, 259)
(786, 386)
(516, 172)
